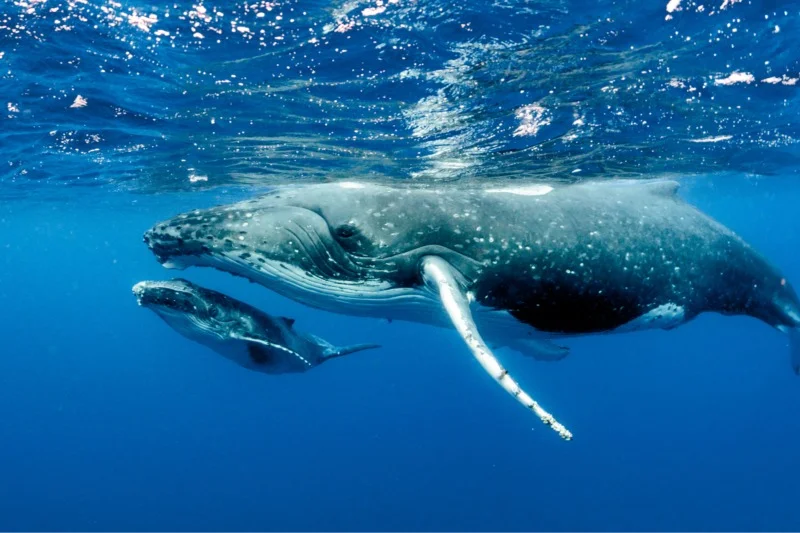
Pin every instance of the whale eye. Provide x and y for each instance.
(213, 312)
(346, 231)
(352, 239)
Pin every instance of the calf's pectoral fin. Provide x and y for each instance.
(442, 278)
(261, 350)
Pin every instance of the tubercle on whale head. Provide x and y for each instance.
(170, 247)
(258, 240)
(178, 294)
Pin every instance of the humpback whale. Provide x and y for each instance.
(249, 337)
(515, 266)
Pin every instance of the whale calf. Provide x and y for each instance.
(514, 266)
(239, 332)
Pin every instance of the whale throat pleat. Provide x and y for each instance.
(442, 278)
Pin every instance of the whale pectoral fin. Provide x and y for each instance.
(258, 350)
(442, 278)
(257, 353)
(541, 350)
(261, 351)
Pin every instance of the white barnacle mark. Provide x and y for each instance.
(351, 185)
(528, 190)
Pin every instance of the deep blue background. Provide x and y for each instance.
(110, 420)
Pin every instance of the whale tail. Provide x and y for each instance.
(335, 351)
(329, 351)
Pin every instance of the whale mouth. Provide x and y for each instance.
(174, 295)
(173, 251)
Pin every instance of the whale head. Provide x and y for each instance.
(343, 247)
(186, 307)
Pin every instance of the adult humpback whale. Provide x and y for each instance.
(239, 332)
(511, 265)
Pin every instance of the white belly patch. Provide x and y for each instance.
(665, 316)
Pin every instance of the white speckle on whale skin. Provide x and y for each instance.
(530, 190)
(351, 185)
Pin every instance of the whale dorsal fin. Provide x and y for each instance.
(666, 188)
(286, 320)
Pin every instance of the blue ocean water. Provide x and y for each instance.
(119, 114)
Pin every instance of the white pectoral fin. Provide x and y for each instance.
(442, 278)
